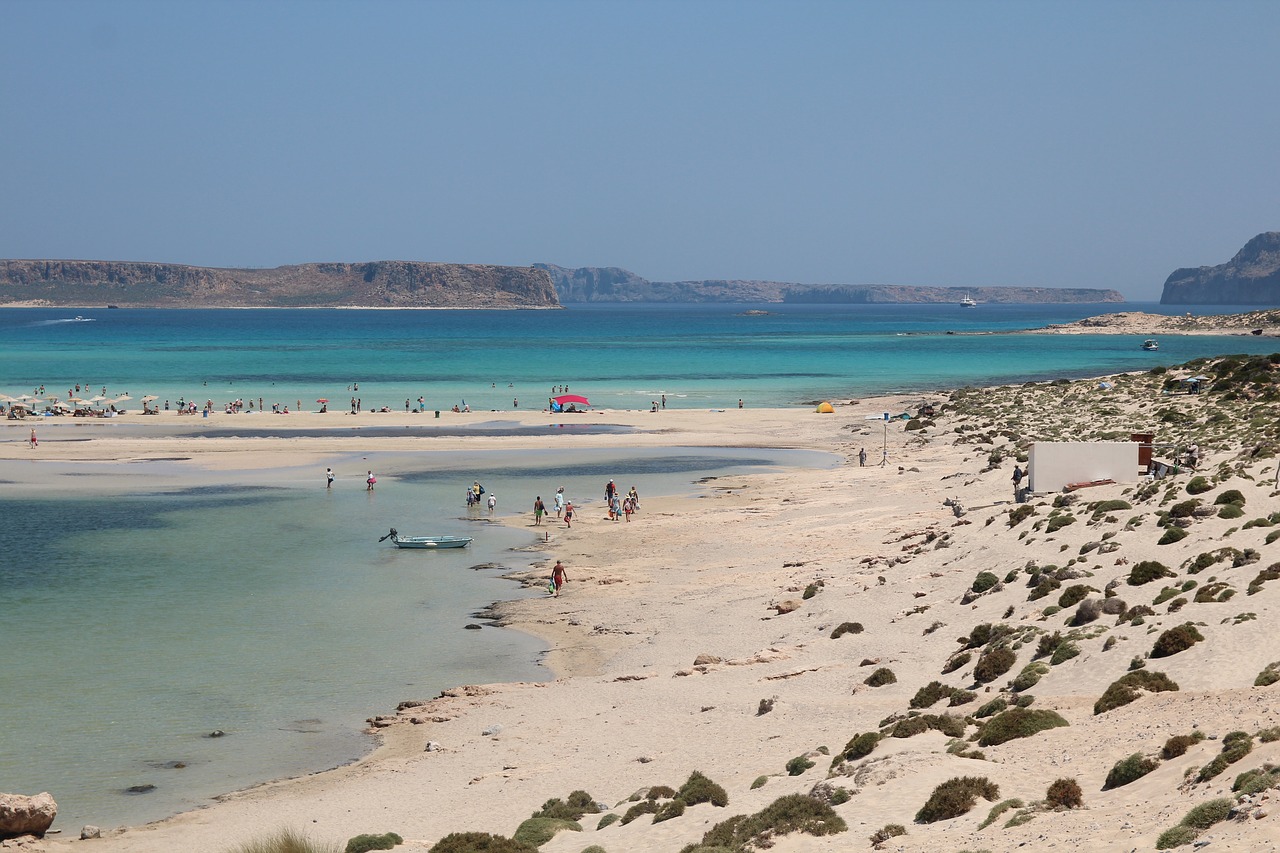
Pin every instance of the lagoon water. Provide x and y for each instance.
(136, 620)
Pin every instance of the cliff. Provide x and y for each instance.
(378, 284)
(611, 284)
(1252, 277)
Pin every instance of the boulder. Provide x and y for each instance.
(90, 831)
(22, 815)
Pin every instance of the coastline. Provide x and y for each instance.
(676, 626)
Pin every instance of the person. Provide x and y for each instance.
(862, 458)
(328, 476)
(515, 404)
(635, 499)
(493, 502)
(568, 514)
(559, 501)
(615, 507)
(477, 489)
(369, 481)
(33, 437)
(739, 402)
(1193, 456)
(558, 577)
(609, 490)
(664, 401)
(471, 498)
(538, 509)
(628, 507)
(1017, 483)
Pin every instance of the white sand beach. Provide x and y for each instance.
(699, 635)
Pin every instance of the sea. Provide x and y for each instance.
(144, 608)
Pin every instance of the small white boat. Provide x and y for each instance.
(1151, 344)
(968, 302)
(434, 543)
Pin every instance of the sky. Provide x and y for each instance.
(966, 144)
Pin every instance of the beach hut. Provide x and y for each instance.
(825, 408)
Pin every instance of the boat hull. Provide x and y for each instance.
(431, 543)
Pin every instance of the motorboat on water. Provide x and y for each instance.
(1151, 344)
(968, 302)
(434, 543)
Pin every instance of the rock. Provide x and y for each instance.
(472, 626)
(90, 831)
(432, 746)
(492, 730)
(705, 659)
(23, 815)
(140, 789)
(787, 606)
(1252, 277)
(216, 733)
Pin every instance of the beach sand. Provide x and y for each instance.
(677, 630)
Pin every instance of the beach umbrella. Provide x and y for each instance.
(323, 400)
(565, 399)
(122, 398)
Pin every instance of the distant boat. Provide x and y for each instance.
(427, 542)
(968, 302)
(1151, 344)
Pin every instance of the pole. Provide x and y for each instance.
(884, 448)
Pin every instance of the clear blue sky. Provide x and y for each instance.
(1054, 144)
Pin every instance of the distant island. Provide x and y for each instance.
(376, 284)
(1252, 277)
(612, 284)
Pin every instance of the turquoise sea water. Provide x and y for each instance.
(136, 619)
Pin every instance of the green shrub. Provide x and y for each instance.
(1030, 676)
(1058, 522)
(1198, 485)
(1064, 794)
(785, 815)
(1186, 509)
(364, 843)
(699, 789)
(1177, 639)
(995, 706)
(1230, 511)
(984, 581)
(994, 663)
(1148, 571)
(1104, 507)
(1074, 594)
(537, 831)
(999, 809)
(286, 841)
(1063, 653)
(1177, 746)
(577, 804)
(961, 697)
(1018, 723)
(1175, 837)
(1126, 689)
(1270, 675)
(1256, 781)
(479, 842)
(1230, 496)
(1021, 514)
(607, 820)
(798, 765)
(810, 591)
(594, 848)
(1173, 534)
(881, 677)
(889, 830)
(1128, 770)
(760, 781)
(641, 808)
(930, 694)
(1207, 814)
(955, 797)
(859, 746)
(846, 628)
(674, 808)
(955, 662)
(658, 792)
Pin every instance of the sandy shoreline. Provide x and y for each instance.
(674, 628)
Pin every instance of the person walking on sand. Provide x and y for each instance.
(33, 438)
(558, 577)
(628, 507)
(568, 514)
(559, 501)
(538, 509)
(1017, 484)
(328, 476)
(369, 481)
(862, 458)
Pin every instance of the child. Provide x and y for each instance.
(568, 514)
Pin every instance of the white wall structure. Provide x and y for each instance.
(1053, 464)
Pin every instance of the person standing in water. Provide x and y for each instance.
(328, 476)
(369, 481)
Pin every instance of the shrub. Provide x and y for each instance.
(1058, 522)
(956, 797)
(1088, 611)
(579, 803)
(955, 662)
(984, 581)
(1230, 496)
(1126, 689)
(930, 694)
(810, 591)
(640, 809)
(889, 830)
(1063, 653)
(1104, 507)
(537, 831)
(1175, 837)
(607, 820)
(675, 808)
(961, 697)
(846, 628)
(785, 815)
(1018, 723)
(479, 842)
(765, 706)
(1207, 814)
(881, 677)
(1230, 511)
(798, 765)
(1198, 485)
(859, 746)
(1270, 675)
(364, 843)
(1021, 514)
(995, 706)
(993, 664)
(1074, 594)
(660, 792)
(285, 841)
(1064, 794)
(1128, 770)
(1177, 746)
(1186, 509)
(1177, 639)
(1257, 780)
(1148, 571)
(699, 789)
(1173, 534)
(760, 781)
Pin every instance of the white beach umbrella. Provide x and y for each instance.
(122, 398)
(150, 398)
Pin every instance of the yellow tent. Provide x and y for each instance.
(824, 408)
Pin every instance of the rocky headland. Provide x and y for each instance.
(377, 284)
(1252, 277)
(613, 284)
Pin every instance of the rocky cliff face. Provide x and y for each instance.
(1252, 277)
(378, 284)
(610, 284)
